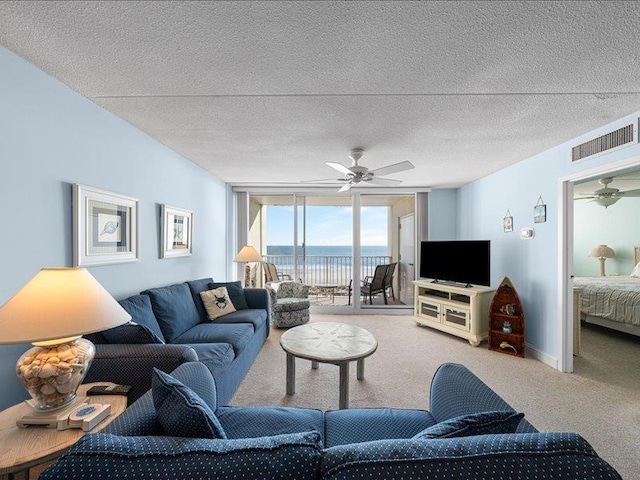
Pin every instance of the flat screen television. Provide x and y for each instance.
(458, 261)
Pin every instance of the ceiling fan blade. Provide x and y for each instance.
(346, 187)
(628, 193)
(341, 168)
(585, 198)
(385, 181)
(395, 168)
(325, 180)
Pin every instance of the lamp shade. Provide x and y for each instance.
(248, 254)
(59, 303)
(602, 251)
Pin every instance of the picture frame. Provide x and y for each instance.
(507, 222)
(105, 227)
(177, 231)
(540, 212)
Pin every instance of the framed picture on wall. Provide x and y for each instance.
(507, 222)
(105, 227)
(540, 211)
(177, 229)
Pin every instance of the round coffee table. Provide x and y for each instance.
(330, 342)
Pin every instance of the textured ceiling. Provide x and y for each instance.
(260, 92)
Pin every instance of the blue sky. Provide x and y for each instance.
(327, 225)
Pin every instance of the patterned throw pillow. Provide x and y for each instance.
(131, 332)
(217, 302)
(181, 411)
(236, 293)
(481, 423)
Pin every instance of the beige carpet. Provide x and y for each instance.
(601, 400)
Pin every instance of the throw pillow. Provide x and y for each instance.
(181, 411)
(236, 293)
(217, 302)
(636, 271)
(481, 423)
(131, 332)
(139, 307)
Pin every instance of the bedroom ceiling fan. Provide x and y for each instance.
(607, 196)
(356, 174)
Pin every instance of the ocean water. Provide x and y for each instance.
(329, 250)
(327, 263)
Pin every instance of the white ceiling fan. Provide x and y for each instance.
(356, 174)
(607, 196)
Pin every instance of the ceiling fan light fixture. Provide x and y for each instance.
(606, 201)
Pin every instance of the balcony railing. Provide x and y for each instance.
(326, 269)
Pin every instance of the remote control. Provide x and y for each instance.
(109, 390)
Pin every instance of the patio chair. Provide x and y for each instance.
(376, 285)
(388, 279)
(271, 273)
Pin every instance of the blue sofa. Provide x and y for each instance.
(300, 443)
(172, 327)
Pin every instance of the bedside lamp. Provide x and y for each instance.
(602, 252)
(246, 255)
(53, 310)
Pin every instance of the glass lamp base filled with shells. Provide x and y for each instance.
(52, 372)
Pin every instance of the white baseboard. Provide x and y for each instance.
(532, 352)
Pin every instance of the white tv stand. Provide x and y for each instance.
(455, 309)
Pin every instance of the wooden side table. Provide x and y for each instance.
(24, 448)
(328, 288)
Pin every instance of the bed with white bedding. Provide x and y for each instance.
(612, 301)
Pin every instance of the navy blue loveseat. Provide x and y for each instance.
(172, 327)
(309, 444)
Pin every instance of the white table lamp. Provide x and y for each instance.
(53, 310)
(246, 255)
(602, 252)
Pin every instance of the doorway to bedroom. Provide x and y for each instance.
(606, 250)
(600, 230)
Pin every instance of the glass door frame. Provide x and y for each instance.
(299, 200)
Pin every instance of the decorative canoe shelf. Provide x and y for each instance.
(506, 321)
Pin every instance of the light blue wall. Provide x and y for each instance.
(50, 138)
(617, 226)
(532, 265)
(443, 212)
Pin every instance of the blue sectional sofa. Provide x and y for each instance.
(300, 443)
(172, 327)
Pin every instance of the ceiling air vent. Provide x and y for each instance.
(619, 138)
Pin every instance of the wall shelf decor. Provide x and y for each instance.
(506, 321)
(177, 230)
(105, 227)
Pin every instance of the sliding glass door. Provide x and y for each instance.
(333, 244)
(385, 279)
